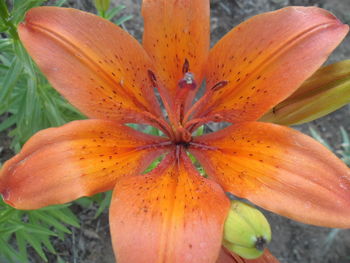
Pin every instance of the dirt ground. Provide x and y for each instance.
(292, 241)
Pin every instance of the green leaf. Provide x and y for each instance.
(112, 12)
(54, 207)
(200, 130)
(20, 7)
(36, 244)
(345, 138)
(5, 43)
(65, 216)
(4, 13)
(33, 229)
(50, 220)
(10, 229)
(60, 2)
(10, 253)
(6, 215)
(10, 79)
(8, 122)
(21, 244)
(318, 137)
(122, 19)
(104, 204)
(47, 243)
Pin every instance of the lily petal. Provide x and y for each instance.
(169, 215)
(228, 257)
(279, 169)
(82, 158)
(324, 92)
(267, 58)
(96, 65)
(176, 31)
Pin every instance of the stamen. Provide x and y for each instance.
(185, 86)
(202, 146)
(186, 66)
(219, 85)
(152, 78)
(204, 99)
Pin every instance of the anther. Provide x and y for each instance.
(152, 77)
(186, 66)
(219, 85)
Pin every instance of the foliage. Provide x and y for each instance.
(31, 104)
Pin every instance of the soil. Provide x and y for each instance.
(292, 241)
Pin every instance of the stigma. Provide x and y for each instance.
(188, 81)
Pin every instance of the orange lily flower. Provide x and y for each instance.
(173, 214)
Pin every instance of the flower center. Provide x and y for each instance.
(181, 121)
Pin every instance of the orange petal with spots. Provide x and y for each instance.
(82, 158)
(229, 257)
(266, 58)
(279, 169)
(96, 65)
(176, 31)
(171, 214)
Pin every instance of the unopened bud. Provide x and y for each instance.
(102, 5)
(246, 231)
(324, 92)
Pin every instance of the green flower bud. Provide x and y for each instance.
(246, 231)
(324, 92)
(102, 5)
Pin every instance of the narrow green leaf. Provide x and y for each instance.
(4, 13)
(33, 229)
(7, 123)
(21, 7)
(60, 2)
(200, 130)
(50, 220)
(22, 245)
(10, 79)
(10, 229)
(123, 19)
(345, 138)
(5, 215)
(104, 204)
(5, 43)
(65, 216)
(47, 243)
(54, 207)
(9, 252)
(112, 12)
(36, 244)
(318, 137)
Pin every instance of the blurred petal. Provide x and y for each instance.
(82, 158)
(175, 31)
(326, 91)
(227, 257)
(171, 214)
(279, 169)
(96, 65)
(267, 58)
